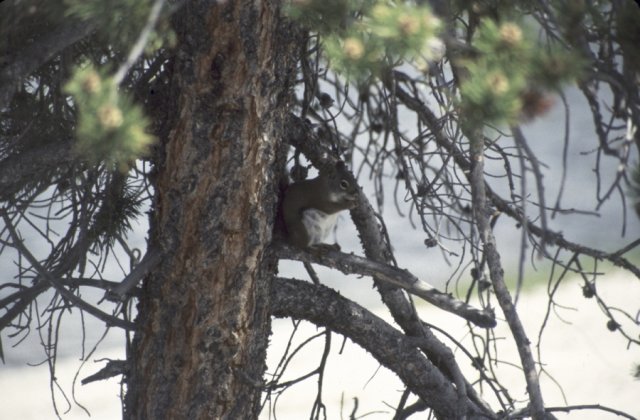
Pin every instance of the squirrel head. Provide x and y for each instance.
(341, 186)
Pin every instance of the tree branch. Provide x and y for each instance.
(128, 284)
(394, 350)
(377, 249)
(551, 237)
(497, 276)
(521, 414)
(353, 264)
(113, 368)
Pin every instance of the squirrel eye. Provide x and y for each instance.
(344, 184)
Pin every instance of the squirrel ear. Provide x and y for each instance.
(329, 167)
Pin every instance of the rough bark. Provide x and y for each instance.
(204, 311)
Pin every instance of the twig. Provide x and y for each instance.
(113, 368)
(521, 141)
(565, 154)
(138, 47)
(120, 292)
(525, 412)
(318, 405)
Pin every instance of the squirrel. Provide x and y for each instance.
(310, 207)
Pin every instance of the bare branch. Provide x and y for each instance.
(353, 264)
(113, 368)
(394, 350)
(128, 284)
(521, 414)
(521, 141)
(551, 237)
(77, 301)
(497, 278)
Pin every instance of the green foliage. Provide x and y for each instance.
(121, 21)
(508, 72)
(110, 127)
(328, 16)
(383, 35)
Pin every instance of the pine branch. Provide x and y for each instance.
(30, 58)
(353, 264)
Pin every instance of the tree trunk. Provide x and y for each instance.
(203, 318)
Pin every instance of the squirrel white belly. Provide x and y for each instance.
(318, 224)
